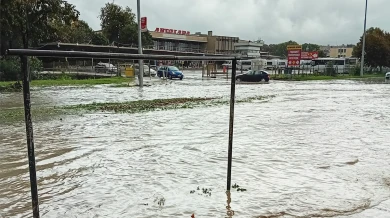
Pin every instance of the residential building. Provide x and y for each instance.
(342, 51)
(249, 49)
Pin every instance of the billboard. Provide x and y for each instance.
(144, 24)
(294, 55)
(309, 55)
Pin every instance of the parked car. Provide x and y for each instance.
(387, 77)
(147, 71)
(170, 72)
(253, 76)
(105, 68)
(154, 67)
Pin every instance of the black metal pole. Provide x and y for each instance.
(231, 119)
(30, 137)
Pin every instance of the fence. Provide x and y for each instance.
(24, 53)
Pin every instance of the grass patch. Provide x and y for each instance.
(11, 87)
(159, 104)
(285, 77)
(72, 82)
(142, 105)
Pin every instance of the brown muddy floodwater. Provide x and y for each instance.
(317, 149)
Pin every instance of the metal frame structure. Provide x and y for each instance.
(24, 53)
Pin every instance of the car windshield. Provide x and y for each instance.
(173, 68)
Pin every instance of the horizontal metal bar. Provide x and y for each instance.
(83, 54)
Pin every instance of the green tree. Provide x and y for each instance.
(313, 47)
(99, 39)
(119, 25)
(377, 50)
(279, 49)
(30, 22)
(81, 32)
(310, 47)
(10, 69)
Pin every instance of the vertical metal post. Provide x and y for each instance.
(364, 42)
(231, 119)
(141, 62)
(150, 71)
(30, 137)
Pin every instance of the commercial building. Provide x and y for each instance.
(178, 40)
(220, 44)
(249, 49)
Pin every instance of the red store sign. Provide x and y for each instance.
(172, 31)
(309, 55)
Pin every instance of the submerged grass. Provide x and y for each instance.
(44, 113)
(71, 82)
(13, 115)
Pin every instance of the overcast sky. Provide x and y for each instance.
(316, 21)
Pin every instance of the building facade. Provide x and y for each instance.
(249, 49)
(178, 40)
(219, 44)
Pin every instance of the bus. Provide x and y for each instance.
(276, 64)
(241, 64)
(341, 65)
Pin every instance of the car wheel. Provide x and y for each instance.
(238, 80)
(181, 78)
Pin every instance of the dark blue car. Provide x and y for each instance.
(170, 72)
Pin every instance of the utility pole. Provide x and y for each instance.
(364, 42)
(141, 62)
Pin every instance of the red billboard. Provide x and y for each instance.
(309, 55)
(144, 24)
(294, 57)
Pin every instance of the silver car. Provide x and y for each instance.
(105, 68)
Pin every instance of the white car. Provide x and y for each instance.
(147, 71)
(387, 77)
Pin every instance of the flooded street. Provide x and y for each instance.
(317, 149)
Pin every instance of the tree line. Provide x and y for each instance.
(26, 23)
(377, 49)
(281, 48)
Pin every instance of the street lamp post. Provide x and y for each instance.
(141, 62)
(364, 42)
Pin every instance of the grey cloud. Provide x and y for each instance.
(316, 21)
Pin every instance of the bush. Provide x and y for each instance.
(329, 69)
(354, 71)
(10, 68)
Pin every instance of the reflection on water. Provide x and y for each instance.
(316, 149)
(229, 212)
